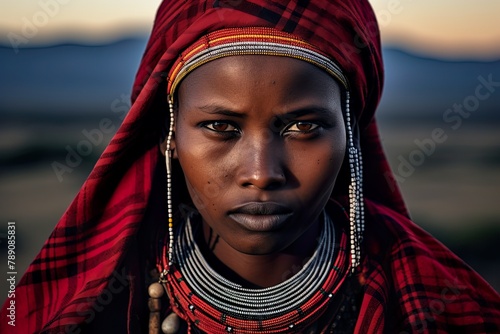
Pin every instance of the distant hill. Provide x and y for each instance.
(80, 80)
(67, 78)
(417, 86)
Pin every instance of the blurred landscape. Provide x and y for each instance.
(51, 97)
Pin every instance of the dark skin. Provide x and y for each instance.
(260, 140)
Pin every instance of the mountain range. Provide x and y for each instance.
(82, 80)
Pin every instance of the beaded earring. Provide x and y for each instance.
(168, 163)
(356, 207)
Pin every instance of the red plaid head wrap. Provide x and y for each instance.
(90, 247)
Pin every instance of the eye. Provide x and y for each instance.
(219, 126)
(301, 126)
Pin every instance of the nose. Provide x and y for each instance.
(262, 164)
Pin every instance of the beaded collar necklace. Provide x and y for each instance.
(213, 304)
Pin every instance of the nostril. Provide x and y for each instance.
(277, 183)
(268, 181)
(263, 179)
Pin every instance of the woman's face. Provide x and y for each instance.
(261, 140)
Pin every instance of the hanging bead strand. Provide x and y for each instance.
(355, 190)
(168, 162)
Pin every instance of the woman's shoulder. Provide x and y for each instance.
(432, 288)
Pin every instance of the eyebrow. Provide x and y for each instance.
(220, 110)
(308, 111)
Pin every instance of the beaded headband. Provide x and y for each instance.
(267, 41)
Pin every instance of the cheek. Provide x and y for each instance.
(317, 167)
(203, 170)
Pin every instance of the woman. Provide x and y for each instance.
(237, 183)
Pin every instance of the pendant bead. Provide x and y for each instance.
(156, 290)
(171, 324)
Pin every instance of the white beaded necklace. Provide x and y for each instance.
(245, 303)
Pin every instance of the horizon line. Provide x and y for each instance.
(81, 41)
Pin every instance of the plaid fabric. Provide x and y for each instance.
(414, 284)
(89, 270)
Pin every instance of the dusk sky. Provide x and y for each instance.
(444, 28)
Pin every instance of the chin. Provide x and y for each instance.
(263, 246)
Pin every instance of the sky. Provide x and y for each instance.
(456, 28)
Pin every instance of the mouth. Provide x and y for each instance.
(261, 216)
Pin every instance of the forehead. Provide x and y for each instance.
(259, 74)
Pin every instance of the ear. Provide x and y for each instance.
(163, 146)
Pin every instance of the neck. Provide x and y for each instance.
(261, 271)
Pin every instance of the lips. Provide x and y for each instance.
(261, 216)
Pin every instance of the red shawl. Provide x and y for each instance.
(90, 267)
